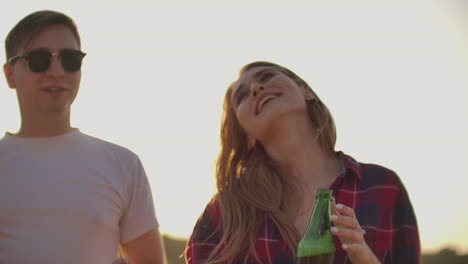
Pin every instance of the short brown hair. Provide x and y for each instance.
(31, 25)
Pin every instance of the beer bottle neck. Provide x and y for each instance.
(320, 220)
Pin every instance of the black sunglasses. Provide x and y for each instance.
(39, 59)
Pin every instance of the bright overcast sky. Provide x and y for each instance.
(393, 73)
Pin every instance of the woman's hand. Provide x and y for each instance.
(351, 235)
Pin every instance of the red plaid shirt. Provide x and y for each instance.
(381, 204)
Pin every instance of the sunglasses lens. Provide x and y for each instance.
(38, 60)
(71, 59)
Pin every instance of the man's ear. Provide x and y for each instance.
(9, 71)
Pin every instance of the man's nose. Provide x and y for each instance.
(55, 67)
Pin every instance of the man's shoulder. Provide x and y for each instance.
(106, 146)
(3, 138)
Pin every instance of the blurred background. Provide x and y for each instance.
(393, 73)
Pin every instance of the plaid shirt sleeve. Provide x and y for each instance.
(205, 236)
(383, 209)
(406, 244)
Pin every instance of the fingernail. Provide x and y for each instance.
(334, 229)
(345, 246)
(334, 217)
(339, 206)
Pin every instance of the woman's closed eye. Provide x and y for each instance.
(266, 76)
(241, 96)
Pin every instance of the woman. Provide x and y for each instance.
(277, 149)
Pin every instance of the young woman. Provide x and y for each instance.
(277, 149)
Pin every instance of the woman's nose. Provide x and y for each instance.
(256, 88)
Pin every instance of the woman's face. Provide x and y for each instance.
(264, 95)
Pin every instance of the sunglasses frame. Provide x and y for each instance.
(59, 53)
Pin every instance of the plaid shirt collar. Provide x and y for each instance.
(350, 165)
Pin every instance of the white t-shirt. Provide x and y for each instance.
(70, 199)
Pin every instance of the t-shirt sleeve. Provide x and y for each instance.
(139, 214)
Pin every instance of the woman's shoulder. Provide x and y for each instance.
(372, 174)
(212, 212)
(376, 174)
(213, 206)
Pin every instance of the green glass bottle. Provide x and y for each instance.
(316, 246)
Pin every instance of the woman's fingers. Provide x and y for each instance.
(347, 221)
(350, 235)
(345, 210)
(347, 228)
(352, 248)
(360, 253)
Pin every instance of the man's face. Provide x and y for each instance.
(50, 92)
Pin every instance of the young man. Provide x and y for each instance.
(65, 197)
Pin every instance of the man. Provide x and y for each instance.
(65, 197)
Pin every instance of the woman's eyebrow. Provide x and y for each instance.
(255, 76)
(260, 73)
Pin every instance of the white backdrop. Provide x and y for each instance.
(394, 75)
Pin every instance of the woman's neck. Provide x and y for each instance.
(298, 153)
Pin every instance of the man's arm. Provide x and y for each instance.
(146, 249)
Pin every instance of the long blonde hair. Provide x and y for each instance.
(250, 187)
